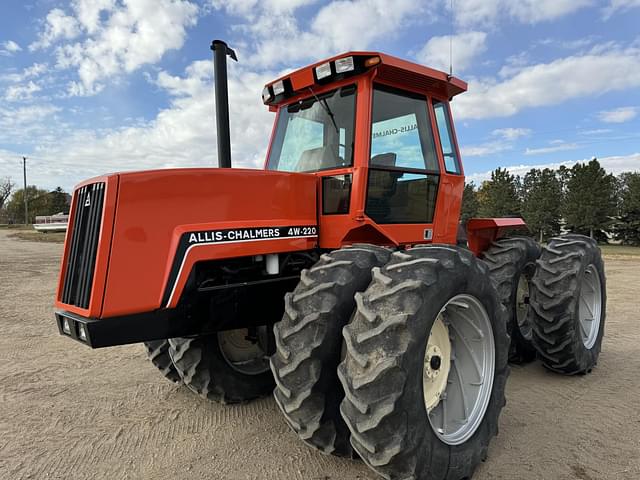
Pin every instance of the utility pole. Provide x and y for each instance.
(26, 208)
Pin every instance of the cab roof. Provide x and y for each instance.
(390, 68)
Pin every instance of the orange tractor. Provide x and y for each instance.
(335, 274)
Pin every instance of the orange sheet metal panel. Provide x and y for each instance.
(302, 79)
(156, 208)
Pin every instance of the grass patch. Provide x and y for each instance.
(15, 226)
(620, 250)
(34, 236)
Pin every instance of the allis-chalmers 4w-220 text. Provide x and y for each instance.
(335, 277)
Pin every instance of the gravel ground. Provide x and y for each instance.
(69, 412)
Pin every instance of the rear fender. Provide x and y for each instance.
(482, 231)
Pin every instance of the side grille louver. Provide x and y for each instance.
(81, 261)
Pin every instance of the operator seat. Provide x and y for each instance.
(319, 159)
(382, 188)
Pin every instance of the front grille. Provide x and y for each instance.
(81, 260)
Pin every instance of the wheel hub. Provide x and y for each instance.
(522, 307)
(437, 362)
(241, 353)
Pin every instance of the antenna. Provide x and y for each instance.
(451, 42)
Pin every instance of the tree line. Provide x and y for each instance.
(39, 201)
(582, 199)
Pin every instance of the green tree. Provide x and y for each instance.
(541, 201)
(470, 204)
(498, 197)
(58, 201)
(38, 202)
(564, 174)
(628, 229)
(590, 204)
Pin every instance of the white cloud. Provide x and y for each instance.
(88, 12)
(617, 6)
(116, 38)
(552, 83)
(465, 48)
(487, 12)
(618, 115)
(557, 146)
(506, 141)
(20, 125)
(58, 25)
(182, 135)
(249, 8)
(338, 26)
(21, 92)
(488, 148)
(9, 47)
(614, 164)
(511, 133)
(596, 131)
(33, 71)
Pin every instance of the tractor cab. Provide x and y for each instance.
(378, 132)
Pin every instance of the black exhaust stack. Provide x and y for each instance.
(220, 52)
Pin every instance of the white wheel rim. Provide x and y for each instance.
(590, 306)
(462, 403)
(241, 354)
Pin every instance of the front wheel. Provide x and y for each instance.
(426, 365)
(226, 367)
(158, 355)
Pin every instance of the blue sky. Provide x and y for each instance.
(93, 86)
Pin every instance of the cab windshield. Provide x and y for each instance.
(315, 133)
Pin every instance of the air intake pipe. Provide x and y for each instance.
(220, 52)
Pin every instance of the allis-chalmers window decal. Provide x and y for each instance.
(396, 130)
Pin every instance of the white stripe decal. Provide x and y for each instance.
(184, 258)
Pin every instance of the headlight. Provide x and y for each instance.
(278, 88)
(266, 95)
(344, 65)
(323, 71)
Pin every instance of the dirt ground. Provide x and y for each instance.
(69, 412)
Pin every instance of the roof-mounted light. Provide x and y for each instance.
(267, 96)
(370, 62)
(323, 71)
(278, 88)
(344, 65)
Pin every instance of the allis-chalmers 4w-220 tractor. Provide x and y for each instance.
(335, 275)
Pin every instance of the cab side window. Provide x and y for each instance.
(403, 170)
(443, 120)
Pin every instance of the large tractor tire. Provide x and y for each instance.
(426, 365)
(226, 367)
(158, 355)
(568, 300)
(512, 262)
(309, 345)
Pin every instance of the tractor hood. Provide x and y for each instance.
(155, 225)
